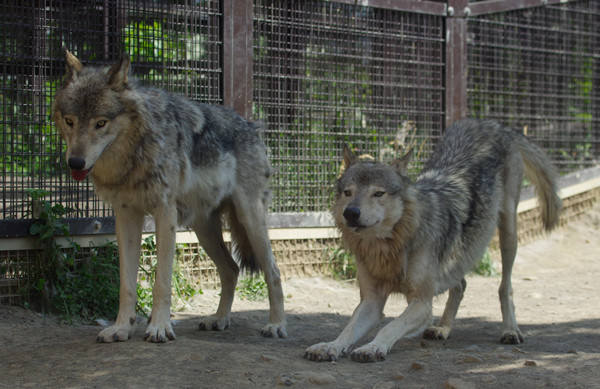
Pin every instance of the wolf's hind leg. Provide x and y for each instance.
(511, 334)
(250, 219)
(442, 330)
(277, 326)
(210, 236)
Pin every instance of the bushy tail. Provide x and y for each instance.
(543, 175)
(243, 252)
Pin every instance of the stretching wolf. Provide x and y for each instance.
(420, 238)
(185, 163)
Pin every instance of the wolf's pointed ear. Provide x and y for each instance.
(74, 67)
(117, 74)
(401, 164)
(349, 157)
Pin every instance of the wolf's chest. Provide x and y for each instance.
(383, 259)
(383, 268)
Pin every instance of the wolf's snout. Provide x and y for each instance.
(352, 214)
(76, 163)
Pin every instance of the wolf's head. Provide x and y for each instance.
(89, 111)
(370, 195)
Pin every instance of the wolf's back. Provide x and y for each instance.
(543, 175)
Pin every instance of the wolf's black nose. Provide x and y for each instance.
(76, 163)
(352, 214)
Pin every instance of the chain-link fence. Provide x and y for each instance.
(381, 78)
(172, 45)
(326, 73)
(538, 70)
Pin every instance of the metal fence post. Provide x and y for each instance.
(237, 56)
(456, 60)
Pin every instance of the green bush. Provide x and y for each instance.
(81, 285)
(485, 266)
(77, 284)
(253, 288)
(341, 263)
(183, 289)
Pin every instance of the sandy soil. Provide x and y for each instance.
(556, 293)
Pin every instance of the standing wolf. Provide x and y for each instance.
(185, 163)
(421, 238)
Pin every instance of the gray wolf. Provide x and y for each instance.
(420, 238)
(183, 162)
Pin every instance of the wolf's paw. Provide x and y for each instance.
(436, 333)
(159, 331)
(369, 353)
(324, 352)
(512, 337)
(214, 323)
(115, 333)
(274, 330)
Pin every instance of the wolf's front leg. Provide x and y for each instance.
(415, 317)
(129, 236)
(159, 325)
(366, 316)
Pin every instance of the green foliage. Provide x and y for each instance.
(78, 286)
(145, 40)
(50, 217)
(82, 285)
(89, 289)
(32, 144)
(253, 288)
(149, 41)
(182, 287)
(341, 263)
(485, 266)
(146, 281)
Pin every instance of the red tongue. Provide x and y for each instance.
(79, 175)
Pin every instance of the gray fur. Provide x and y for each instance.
(420, 238)
(186, 163)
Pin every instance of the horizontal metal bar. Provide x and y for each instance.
(77, 226)
(421, 7)
(569, 185)
(317, 225)
(495, 6)
(106, 225)
(13, 228)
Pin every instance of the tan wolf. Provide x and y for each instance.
(420, 238)
(186, 164)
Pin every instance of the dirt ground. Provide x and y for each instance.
(556, 294)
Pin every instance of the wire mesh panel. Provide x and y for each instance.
(538, 70)
(327, 73)
(175, 45)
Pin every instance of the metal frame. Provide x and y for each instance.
(237, 66)
(237, 56)
(456, 61)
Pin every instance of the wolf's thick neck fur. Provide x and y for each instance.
(386, 258)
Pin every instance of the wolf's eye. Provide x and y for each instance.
(347, 193)
(379, 194)
(69, 122)
(100, 123)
